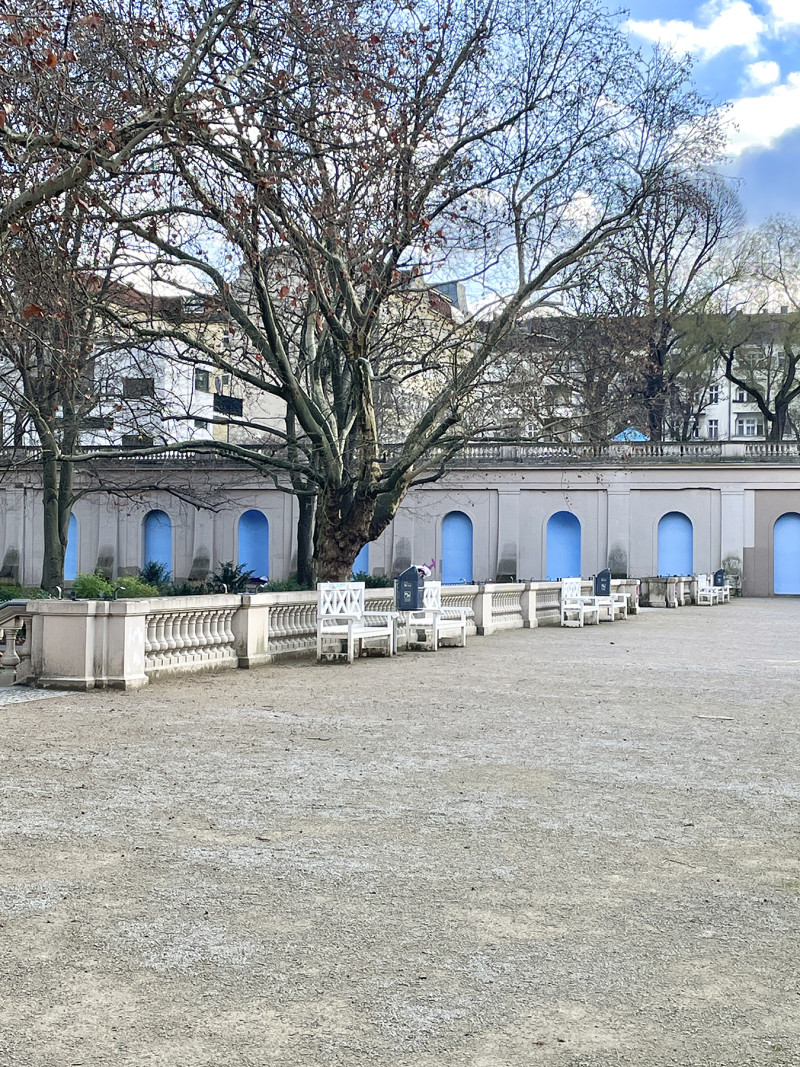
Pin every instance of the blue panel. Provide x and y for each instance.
(71, 555)
(254, 543)
(456, 548)
(675, 544)
(563, 546)
(361, 562)
(158, 539)
(786, 555)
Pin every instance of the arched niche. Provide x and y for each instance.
(675, 544)
(563, 546)
(361, 562)
(456, 548)
(71, 554)
(158, 539)
(253, 543)
(786, 555)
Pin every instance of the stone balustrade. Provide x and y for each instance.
(15, 644)
(127, 643)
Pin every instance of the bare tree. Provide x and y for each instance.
(660, 275)
(61, 365)
(321, 186)
(86, 87)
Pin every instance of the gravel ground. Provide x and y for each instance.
(558, 847)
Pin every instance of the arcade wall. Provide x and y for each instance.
(618, 514)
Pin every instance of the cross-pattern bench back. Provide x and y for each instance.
(432, 596)
(340, 598)
(570, 587)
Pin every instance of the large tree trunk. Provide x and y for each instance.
(777, 425)
(341, 530)
(305, 539)
(54, 530)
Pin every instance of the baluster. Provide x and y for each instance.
(10, 660)
(191, 634)
(169, 636)
(179, 635)
(186, 635)
(214, 635)
(206, 619)
(150, 638)
(230, 636)
(200, 634)
(161, 641)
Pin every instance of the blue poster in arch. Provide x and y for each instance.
(675, 544)
(361, 562)
(563, 546)
(71, 554)
(456, 549)
(786, 555)
(158, 539)
(253, 547)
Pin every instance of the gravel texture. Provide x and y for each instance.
(558, 847)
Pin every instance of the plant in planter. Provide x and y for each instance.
(230, 578)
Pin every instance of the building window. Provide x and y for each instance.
(712, 430)
(227, 405)
(713, 394)
(749, 427)
(740, 397)
(136, 388)
(202, 381)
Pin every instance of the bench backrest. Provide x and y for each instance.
(703, 583)
(340, 598)
(432, 596)
(570, 588)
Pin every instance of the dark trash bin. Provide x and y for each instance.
(602, 583)
(408, 590)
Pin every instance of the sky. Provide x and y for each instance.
(746, 53)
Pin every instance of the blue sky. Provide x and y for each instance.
(746, 52)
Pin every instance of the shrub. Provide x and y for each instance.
(154, 573)
(283, 585)
(230, 577)
(185, 589)
(22, 592)
(373, 581)
(134, 587)
(92, 587)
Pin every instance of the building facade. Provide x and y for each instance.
(643, 510)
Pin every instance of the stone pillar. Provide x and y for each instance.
(619, 532)
(733, 533)
(507, 532)
(528, 603)
(482, 606)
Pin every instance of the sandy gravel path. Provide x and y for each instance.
(558, 847)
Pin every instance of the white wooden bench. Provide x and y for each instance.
(722, 586)
(575, 608)
(440, 622)
(707, 592)
(342, 620)
(613, 604)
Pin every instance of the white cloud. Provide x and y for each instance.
(728, 24)
(764, 73)
(785, 13)
(762, 120)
